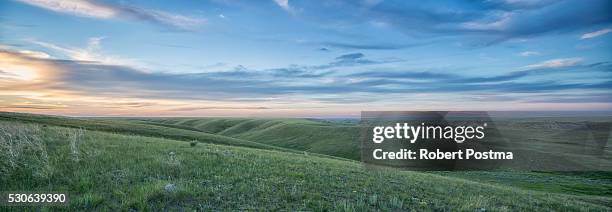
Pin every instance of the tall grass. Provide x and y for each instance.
(22, 149)
(117, 172)
(75, 136)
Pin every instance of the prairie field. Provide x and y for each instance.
(153, 164)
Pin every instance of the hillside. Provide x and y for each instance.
(125, 126)
(239, 131)
(341, 140)
(108, 171)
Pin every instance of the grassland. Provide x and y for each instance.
(145, 164)
(135, 127)
(326, 138)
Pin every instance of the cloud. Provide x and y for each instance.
(92, 9)
(500, 23)
(587, 98)
(595, 34)
(296, 72)
(163, 18)
(354, 59)
(369, 46)
(559, 17)
(36, 54)
(556, 63)
(220, 108)
(284, 4)
(445, 78)
(36, 107)
(353, 56)
(91, 52)
(510, 5)
(82, 8)
(483, 22)
(529, 53)
(54, 79)
(406, 75)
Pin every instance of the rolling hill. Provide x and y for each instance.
(145, 164)
(114, 171)
(127, 126)
(341, 140)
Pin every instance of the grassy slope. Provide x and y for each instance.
(598, 184)
(136, 128)
(121, 172)
(306, 135)
(579, 183)
(341, 140)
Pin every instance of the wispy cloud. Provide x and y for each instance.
(595, 34)
(92, 9)
(498, 24)
(556, 63)
(368, 46)
(220, 108)
(164, 18)
(529, 53)
(90, 53)
(352, 56)
(76, 7)
(36, 54)
(284, 4)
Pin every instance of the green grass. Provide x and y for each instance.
(341, 140)
(578, 183)
(123, 172)
(248, 164)
(135, 128)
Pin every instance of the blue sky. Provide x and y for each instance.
(303, 58)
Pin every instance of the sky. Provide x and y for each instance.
(288, 58)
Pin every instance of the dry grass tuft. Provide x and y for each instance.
(75, 137)
(22, 149)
